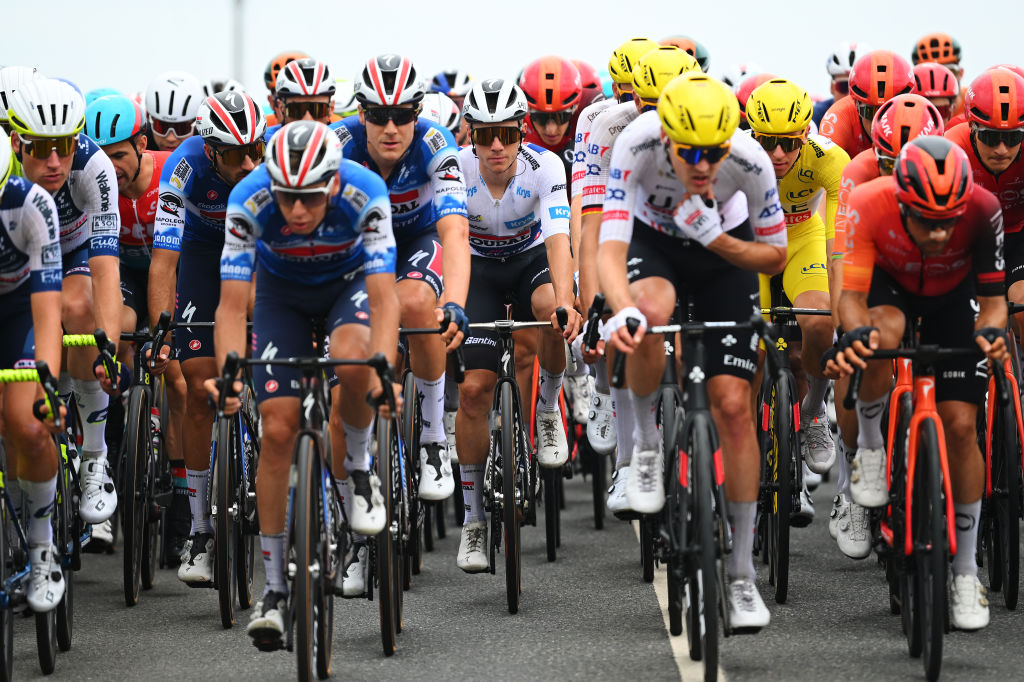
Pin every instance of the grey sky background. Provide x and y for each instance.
(124, 44)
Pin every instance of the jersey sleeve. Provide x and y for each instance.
(859, 259)
(626, 167)
(766, 216)
(96, 194)
(242, 229)
(846, 185)
(445, 173)
(579, 156)
(987, 256)
(175, 179)
(830, 175)
(374, 224)
(598, 165)
(554, 207)
(38, 236)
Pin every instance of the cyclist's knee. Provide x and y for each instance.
(278, 429)
(817, 329)
(475, 394)
(417, 303)
(960, 429)
(76, 311)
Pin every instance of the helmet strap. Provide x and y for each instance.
(138, 157)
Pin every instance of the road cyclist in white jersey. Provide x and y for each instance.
(519, 236)
(670, 170)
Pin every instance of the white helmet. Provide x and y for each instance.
(230, 118)
(11, 78)
(389, 80)
(840, 62)
(737, 73)
(494, 101)
(453, 83)
(442, 110)
(214, 85)
(304, 77)
(174, 96)
(303, 153)
(47, 108)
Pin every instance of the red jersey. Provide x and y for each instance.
(1008, 186)
(138, 216)
(861, 168)
(841, 124)
(876, 238)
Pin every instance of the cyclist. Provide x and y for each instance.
(456, 84)
(47, 117)
(941, 48)
(915, 240)
(553, 90)
(11, 78)
(746, 87)
(516, 203)
(274, 66)
(876, 77)
(442, 110)
(737, 73)
(172, 100)
(690, 47)
(194, 188)
(839, 64)
(419, 162)
(30, 283)
(939, 85)
(304, 91)
(661, 215)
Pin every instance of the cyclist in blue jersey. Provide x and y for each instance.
(30, 281)
(315, 233)
(304, 91)
(189, 236)
(419, 162)
(47, 117)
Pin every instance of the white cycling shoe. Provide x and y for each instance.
(618, 502)
(601, 424)
(747, 612)
(46, 580)
(968, 602)
(99, 498)
(436, 481)
(578, 389)
(472, 557)
(554, 448)
(645, 488)
(868, 485)
(368, 513)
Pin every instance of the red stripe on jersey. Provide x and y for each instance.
(770, 230)
(616, 215)
(404, 196)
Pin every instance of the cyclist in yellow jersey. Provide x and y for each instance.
(807, 167)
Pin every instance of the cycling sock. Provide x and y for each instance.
(601, 376)
(431, 409)
(92, 405)
(645, 423)
(813, 403)
(967, 513)
(547, 394)
(843, 482)
(273, 562)
(198, 484)
(65, 386)
(473, 491)
(451, 394)
(356, 440)
(869, 423)
(576, 367)
(622, 406)
(741, 561)
(39, 498)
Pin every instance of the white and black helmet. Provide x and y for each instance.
(840, 62)
(442, 110)
(303, 153)
(493, 101)
(230, 118)
(47, 108)
(11, 78)
(174, 97)
(214, 85)
(304, 77)
(389, 80)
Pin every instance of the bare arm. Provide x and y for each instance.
(163, 282)
(755, 256)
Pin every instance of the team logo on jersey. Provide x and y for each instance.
(435, 140)
(372, 222)
(211, 195)
(450, 170)
(343, 135)
(257, 201)
(182, 172)
(171, 203)
(239, 229)
(355, 196)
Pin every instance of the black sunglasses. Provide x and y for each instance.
(379, 116)
(540, 119)
(296, 111)
(787, 142)
(507, 135)
(992, 138)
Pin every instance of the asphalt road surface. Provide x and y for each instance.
(587, 616)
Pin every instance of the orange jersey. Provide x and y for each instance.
(1008, 186)
(841, 124)
(861, 168)
(877, 238)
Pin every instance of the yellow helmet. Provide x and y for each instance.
(779, 107)
(656, 68)
(620, 66)
(698, 110)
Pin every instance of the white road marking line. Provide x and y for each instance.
(688, 669)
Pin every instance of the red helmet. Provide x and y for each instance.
(995, 99)
(747, 86)
(902, 119)
(551, 84)
(940, 48)
(1009, 67)
(933, 178)
(589, 77)
(879, 76)
(932, 79)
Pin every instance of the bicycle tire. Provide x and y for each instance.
(780, 500)
(386, 560)
(702, 452)
(511, 456)
(428, 524)
(160, 474)
(134, 482)
(417, 508)
(929, 519)
(598, 479)
(46, 640)
(245, 557)
(225, 528)
(6, 614)
(439, 523)
(1005, 505)
(551, 511)
(64, 513)
(398, 517)
(647, 549)
(306, 532)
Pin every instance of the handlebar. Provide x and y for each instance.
(593, 316)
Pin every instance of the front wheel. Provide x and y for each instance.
(388, 566)
(134, 500)
(1005, 505)
(931, 554)
(511, 457)
(224, 525)
(782, 440)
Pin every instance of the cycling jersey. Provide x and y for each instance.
(842, 125)
(877, 238)
(861, 169)
(820, 109)
(1008, 186)
(356, 232)
(533, 207)
(425, 186)
(816, 172)
(29, 238)
(193, 199)
(580, 168)
(564, 149)
(138, 217)
(605, 129)
(642, 185)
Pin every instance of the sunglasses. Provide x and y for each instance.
(694, 155)
(866, 111)
(505, 134)
(42, 147)
(235, 155)
(165, 128)
(789, 143)
(648, 104)
(6, 126)
(379, 116)
(842, 86)
(625, 97)
(886, 163)
(992, 138)
(930, 223)
(540, 119)
(296, 111)
(311, 197)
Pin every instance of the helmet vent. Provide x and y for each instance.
(904, 135)
(1004, 110)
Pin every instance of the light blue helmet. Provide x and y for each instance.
(113, 118)
(96, 93)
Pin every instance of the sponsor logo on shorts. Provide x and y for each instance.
(195, 344)
(363, 315)
(743, 363)
(270, 386)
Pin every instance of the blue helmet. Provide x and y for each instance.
(96, 93)
(114, 118)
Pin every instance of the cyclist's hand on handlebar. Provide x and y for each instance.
(992, 343)
(829, 365)
(856, 345)
(42, 409)
(618, 331)
(457, 328)
(232, 403)
(573, 323)
(383, 409)
(590, 355)
(122, 376)
(158, 365)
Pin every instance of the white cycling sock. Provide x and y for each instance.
(842, 454)
(198, 485)
(576, 367)
(741, 518)
(547, 395)
(273, 562)
(967, 513)
(39, 498)
(813, 403)
(356, 442)
(92, 405)
(346, 502)
(869, 423)
(473, 491)
(601, 376)
(431, 409)
(622, 406)
(645, 422)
